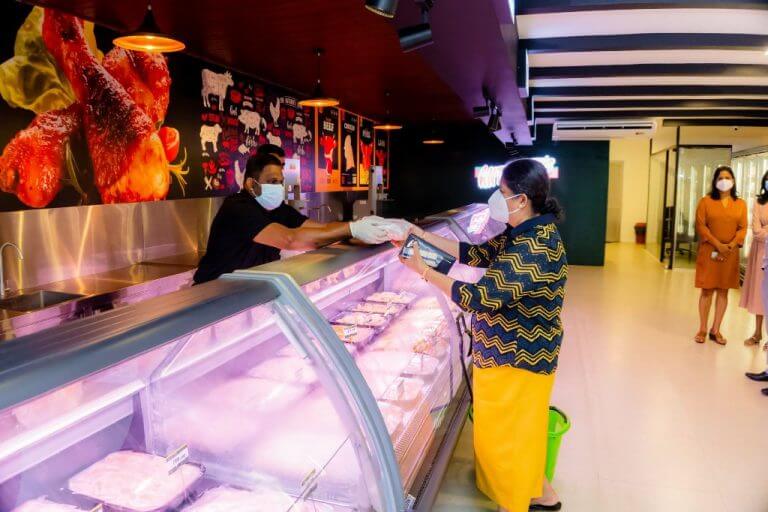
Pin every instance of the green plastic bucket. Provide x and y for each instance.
(559, 424)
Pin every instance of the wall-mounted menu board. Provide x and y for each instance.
(365, 157)
(381, 156)
(327, 173)
(350, 131)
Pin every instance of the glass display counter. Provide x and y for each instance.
(331, 381)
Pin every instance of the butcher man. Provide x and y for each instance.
(253, 225)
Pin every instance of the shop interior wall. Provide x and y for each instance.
(582, 189)
(634, 155)
(427, 180)
(741, 138)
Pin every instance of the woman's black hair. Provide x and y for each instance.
(762, 197)
(528, 176)
(714, 193)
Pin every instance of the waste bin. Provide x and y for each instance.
(640, 233)
(559, 424)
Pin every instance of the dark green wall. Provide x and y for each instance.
(582, 189)
(429, 179)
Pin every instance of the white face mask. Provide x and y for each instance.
(724, 185)
(271, 196)
(499, 209)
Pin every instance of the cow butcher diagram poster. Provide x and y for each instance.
(350, 129)
(366, 152)
(381, 156)
(327, 174)
(240, 114)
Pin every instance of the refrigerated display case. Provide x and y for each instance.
(245, 393)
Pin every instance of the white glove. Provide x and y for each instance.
(397, 229)
(369, 230)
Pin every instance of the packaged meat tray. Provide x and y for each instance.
(392, 297)
(354, 334)
(380, 362)
(403, 391)
(286, 369)
(393, 418)
(422, 366)
(254, 395)
(228, 499)
(135, 482)
(361, 319)
(50, 406)
(380, 308)
(43, 505)
(192, 425)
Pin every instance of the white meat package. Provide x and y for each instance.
(353, 334)
(393, 417)
(403, 391)
(423, 366)
(134, 481)
(254, 395)
(49, 406)
(379, 308)
(285, 369)
(378, 362)
(392, 297)
(43, 505)
(228, 499)
(361, 319)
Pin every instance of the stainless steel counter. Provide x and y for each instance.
(102, 292)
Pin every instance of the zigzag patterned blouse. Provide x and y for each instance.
(516, 305)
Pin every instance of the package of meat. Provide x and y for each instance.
(191, 425)
(392, 297)
(380, 308)
(286, 369)
(43, 505)
(422, 366)
(354, 334)
(405, 392)
(254, 395)
(377, 362)
(47, 407)
(136, 482)
(361, 319)
(228, 499)
(436, 349)
(393, 418)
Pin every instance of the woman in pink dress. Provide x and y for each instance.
(751, 299)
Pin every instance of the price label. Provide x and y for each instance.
(350, 331)
(177, 458)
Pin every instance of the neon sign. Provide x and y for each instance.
(489, 176)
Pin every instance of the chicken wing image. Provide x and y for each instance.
(145, 77)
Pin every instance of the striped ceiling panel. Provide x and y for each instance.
(677, 60)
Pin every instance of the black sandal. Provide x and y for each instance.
(537, 506)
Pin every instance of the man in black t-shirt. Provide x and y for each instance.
(253, 225)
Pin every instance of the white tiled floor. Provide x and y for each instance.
(660, 423)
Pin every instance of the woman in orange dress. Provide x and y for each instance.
(721, 222)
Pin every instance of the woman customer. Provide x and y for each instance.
(517, 334)
(751, 298)
(721, 222)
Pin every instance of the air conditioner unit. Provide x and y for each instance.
(602, 130)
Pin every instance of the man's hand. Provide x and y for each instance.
(369, 230)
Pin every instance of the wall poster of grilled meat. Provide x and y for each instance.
(381, 156)
(365, 158)
(327, 169)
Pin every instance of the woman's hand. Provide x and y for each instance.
(415, 262)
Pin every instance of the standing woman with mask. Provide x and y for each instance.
(517, 333)
(751, 299)
(721, 222)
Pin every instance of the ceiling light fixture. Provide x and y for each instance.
(149, 38)
(387, 125)
(318, 98)
(420, 35)
(433, 139)
(494, 122)
(433, 142)
(386, 8)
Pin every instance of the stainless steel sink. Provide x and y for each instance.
(36, 300)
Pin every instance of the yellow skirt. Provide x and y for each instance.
(511, 414)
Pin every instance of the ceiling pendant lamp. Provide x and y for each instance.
(318, 98)
(433, 139)
(386, 8)
(149, 38)
(387, 125)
